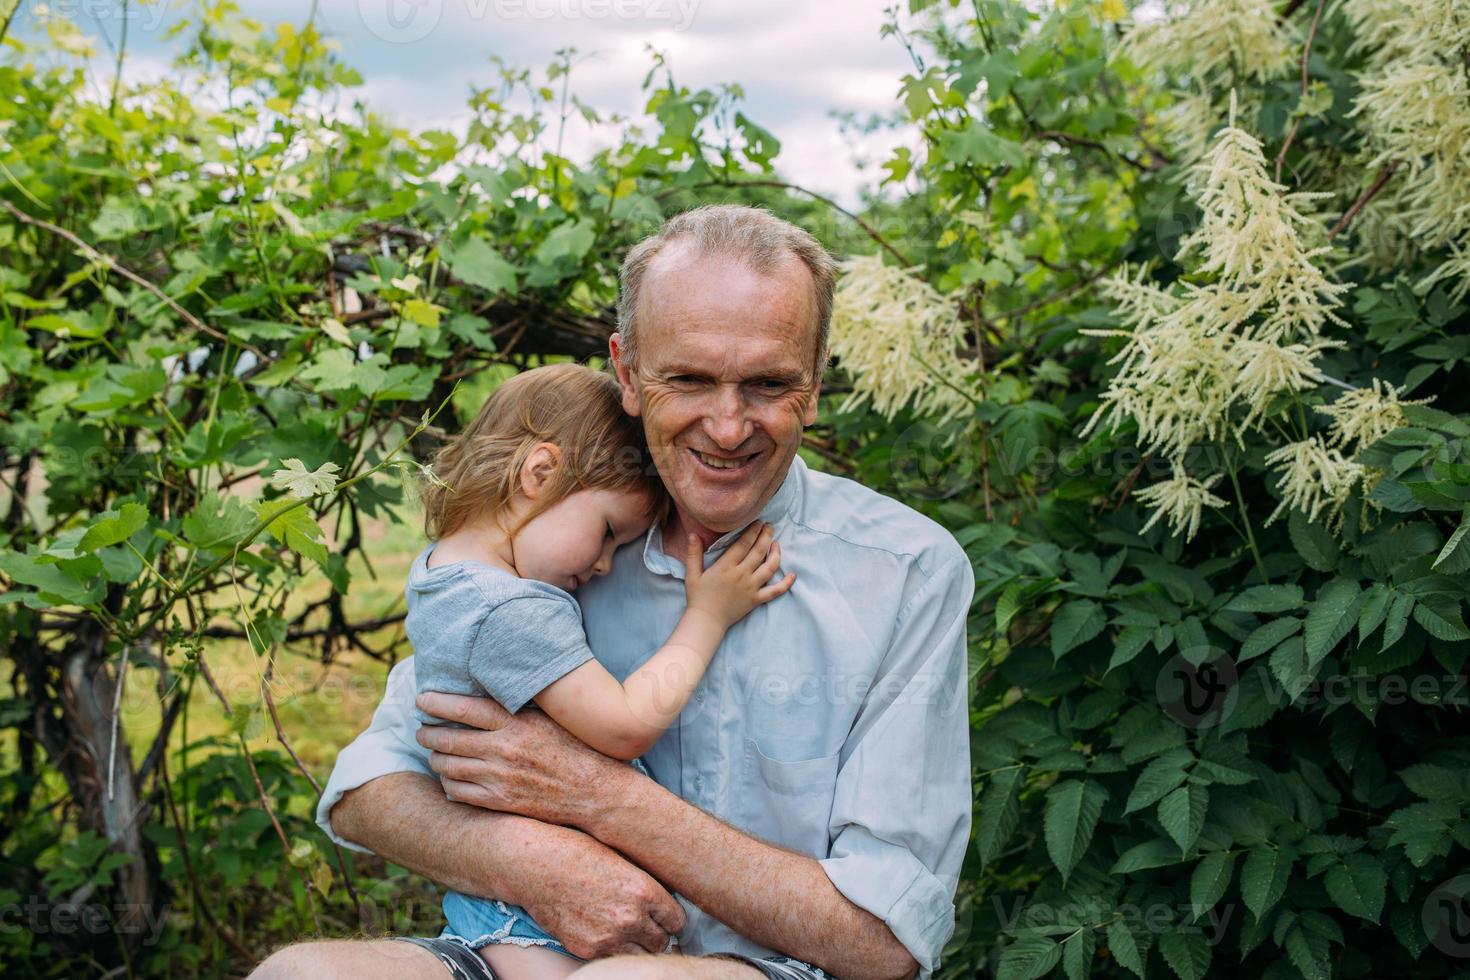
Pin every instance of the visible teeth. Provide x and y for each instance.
(721, 464)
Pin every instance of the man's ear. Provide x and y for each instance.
(537, 470)
(618, 351)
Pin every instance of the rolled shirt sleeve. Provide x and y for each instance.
(386, 746)
(901, 814)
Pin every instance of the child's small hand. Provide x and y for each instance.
(736, 583)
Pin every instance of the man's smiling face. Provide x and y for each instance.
(723, 380)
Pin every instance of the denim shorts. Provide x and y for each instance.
(479, 922)
(463, 964)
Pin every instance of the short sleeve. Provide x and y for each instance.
(524, 645)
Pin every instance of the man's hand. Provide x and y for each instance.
(595, 902)
(582, 892)
(524, 763)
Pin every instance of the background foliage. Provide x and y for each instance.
(235, 307)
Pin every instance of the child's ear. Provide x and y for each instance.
(538, 468)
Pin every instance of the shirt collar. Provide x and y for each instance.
(780, 505)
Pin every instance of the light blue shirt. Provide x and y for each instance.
(833, 721)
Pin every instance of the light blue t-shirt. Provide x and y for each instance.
(477, 629)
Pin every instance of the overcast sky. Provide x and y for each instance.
(797, 59)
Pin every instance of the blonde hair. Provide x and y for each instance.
(751, 235)
(571, 406)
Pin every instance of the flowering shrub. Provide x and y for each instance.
(1219, 505)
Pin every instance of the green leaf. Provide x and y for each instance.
(1007, 606)
(1074, 624)
(54, 584)
(1437, 783)
(1456, 540)
(1157, 853)
(1331, 617)
(114, 528)
(1182, 814)
(570, 240)
(215, 522)
(1308, 950)
(1187, 953)
(1158, 779)
(999, 813)
(1265, 638)
(977, 144)
(1314, 543)
(1209, 881)
(290, 522)
(73, 323)
(422, 312)
(1376, 601)
(476, 263)
(1263, 878)
(1289, 666)
(1397, 620)
(1077, 953)
(332, 369)
(1029, 958)
(1129, 644)
(1267, 599)
(1358, 885)
(761, 146)
(1072, 810)
(1124, 947)
(1440, 617)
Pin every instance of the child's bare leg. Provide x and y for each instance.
(528, 962)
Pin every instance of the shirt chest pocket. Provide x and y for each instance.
(789, 802)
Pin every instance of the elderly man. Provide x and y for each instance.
(811, 807)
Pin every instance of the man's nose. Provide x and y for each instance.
(726, 423)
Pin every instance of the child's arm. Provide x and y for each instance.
(624, 720)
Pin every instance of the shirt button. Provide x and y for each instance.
(699, 696)
(698, 783)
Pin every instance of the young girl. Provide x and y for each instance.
(548, 480)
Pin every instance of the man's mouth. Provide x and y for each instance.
(724, 464)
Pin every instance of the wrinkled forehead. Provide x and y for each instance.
(695, 300)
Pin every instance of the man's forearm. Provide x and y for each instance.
(405, 818)
(776, 897)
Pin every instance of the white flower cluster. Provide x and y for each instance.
(899, 340)
(1204, 46)
(1181, 499)
(1209, 360)
(1415, 108)
(1243, 36)
(1317, 475)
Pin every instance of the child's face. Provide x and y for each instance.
(573, 540)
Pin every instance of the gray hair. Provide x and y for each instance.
(752, 235)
